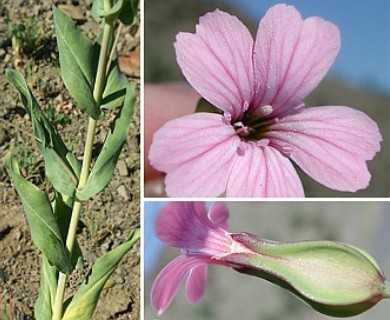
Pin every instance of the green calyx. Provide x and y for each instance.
(332, 277)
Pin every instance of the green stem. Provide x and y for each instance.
(113, 49)
(386, 290)
(85, 169)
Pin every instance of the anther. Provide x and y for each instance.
(227, 117)
(267, 110)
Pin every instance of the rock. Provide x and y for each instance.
(7, 58)
(122, 192)
(122, 168)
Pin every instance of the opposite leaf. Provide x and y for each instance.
(45, 232)
(106, 162)
(76, 63)
(85, 299)
(61, 166)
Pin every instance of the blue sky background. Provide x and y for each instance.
(365, 33)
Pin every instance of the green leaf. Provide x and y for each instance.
(85, 299)
(76, 63)
(115, 89)
(124, 10)
(47, 291)
(106, 162)
(45, 232)
(128, 12)
(61, 166)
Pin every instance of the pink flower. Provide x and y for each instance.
(259, 86)
(203, 239)
(334, 278)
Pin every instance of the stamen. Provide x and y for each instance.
(245, 105)
(241, 128)
(243, 131)
(227, 117)
(265, 123)
(267, 110)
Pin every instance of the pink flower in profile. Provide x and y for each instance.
(259, 87)
(203, 239)
(334, 278)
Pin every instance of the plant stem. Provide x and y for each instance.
(113, 49)
(386, 290)
(85, 169)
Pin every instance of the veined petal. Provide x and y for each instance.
(196, 283)
(168, 281)
(181, 225)
(331, 144)
(263, 172)
(291, 56)
(219, 214)
(178, 226)
(196, 152)
(217, 61)
(164, 102)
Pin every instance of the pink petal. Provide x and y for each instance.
(331, 144)
(196, 152)
(178, 226)
(291, 56)
(217, 62)
(164, 102)
(168, 281)
(196, 283)
(181, 224)
(263, 172)
(219, 214)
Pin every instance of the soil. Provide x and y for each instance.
(109, 217)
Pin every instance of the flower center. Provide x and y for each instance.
(254, 126)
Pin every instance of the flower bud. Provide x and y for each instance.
(334, 278)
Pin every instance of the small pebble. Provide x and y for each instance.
(122, 168)
(122, 192)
